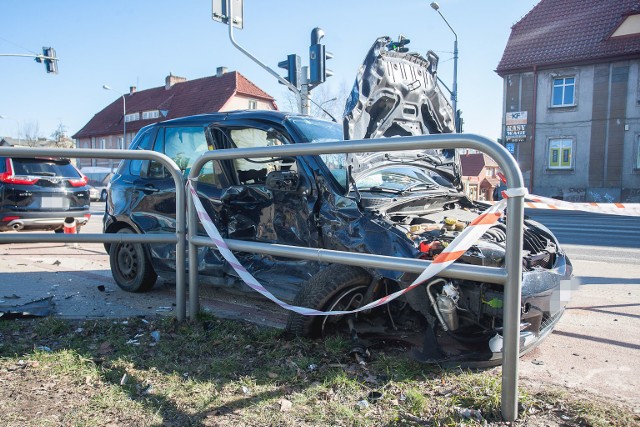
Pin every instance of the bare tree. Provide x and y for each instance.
(328, 103)
(60, 137)
(59, 133)
(31, 132)
(324, 99)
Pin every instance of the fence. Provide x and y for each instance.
(510, 276)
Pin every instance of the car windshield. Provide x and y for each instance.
(318, 131)
(395, 179)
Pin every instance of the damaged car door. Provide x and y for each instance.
(267, 200)
(143, 199)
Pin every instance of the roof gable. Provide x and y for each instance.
(473, 164)
(198, 96)
(569, 31)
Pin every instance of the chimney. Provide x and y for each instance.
(171, 80)
(132, 90)
(220, 71)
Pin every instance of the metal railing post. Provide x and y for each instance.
(511, 310)
(194, 290)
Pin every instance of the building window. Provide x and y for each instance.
(253, 104)
(132, 117)
(103, 144)
(563, 94)
(153, 114)
(560, 153)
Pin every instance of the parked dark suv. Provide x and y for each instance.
(40, 193)
(404, 204)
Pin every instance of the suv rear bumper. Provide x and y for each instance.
(41, 221)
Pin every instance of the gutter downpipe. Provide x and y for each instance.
(533, 127)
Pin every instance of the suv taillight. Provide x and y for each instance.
(79, 182)
(9, 178)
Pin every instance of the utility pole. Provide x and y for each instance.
(454, 93)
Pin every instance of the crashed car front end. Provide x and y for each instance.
(413, 206)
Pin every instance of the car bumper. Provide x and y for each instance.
(42, 221)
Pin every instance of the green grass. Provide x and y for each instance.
(225, 373)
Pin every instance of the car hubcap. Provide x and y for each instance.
(128, 261)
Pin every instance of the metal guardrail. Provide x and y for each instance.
(510, 276)
(179, 238)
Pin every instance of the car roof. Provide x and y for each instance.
(200, 119)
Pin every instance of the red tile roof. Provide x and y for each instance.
(204, 95)
(559, 32)
(472, 164)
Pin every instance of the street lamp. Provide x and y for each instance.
(454, 93)
(124, 114)
(6, 118)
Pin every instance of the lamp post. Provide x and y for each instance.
(454, 93)
(5, 118)
(124, 114)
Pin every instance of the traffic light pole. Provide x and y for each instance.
(38, 58)
(291, 87)
(305, 101)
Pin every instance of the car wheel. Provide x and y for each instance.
(103, 195)
(130, 266)
(337, 287)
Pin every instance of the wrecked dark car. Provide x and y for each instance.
(405, 204)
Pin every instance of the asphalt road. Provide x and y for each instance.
(595, 346)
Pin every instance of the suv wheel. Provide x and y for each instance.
(337, 287)
(130, 266)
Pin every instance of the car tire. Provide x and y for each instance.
(336, 287)
(130, 266)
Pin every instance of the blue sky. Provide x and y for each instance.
(126, 43)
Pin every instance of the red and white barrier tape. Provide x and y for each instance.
(539, 202)
(451, 253)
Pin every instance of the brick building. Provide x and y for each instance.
(179, 97)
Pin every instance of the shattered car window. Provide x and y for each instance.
(313, 130)
(184, 145)
(395, 179)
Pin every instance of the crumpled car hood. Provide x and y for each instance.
(397, 94)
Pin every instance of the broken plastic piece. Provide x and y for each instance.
(37, 308)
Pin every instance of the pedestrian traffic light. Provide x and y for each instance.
(318, 58)
(292, 65)
(50, 60)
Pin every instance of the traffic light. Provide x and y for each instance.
(292, 65)
(318, 58)
(50, 60)
(400, 45)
